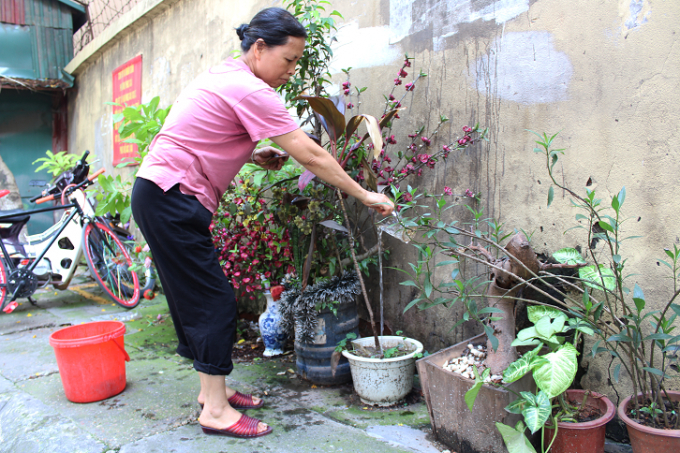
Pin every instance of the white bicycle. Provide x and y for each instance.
(52, 257)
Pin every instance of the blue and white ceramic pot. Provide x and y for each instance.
(273, 336)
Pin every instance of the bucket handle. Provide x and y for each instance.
(122, 349)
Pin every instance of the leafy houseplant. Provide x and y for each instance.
(553, 373)
(637, 339)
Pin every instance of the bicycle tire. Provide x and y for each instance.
(3, 283)
(109, 263)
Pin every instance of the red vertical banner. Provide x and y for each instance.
(127, 91)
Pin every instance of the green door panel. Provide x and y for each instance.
(25, 135)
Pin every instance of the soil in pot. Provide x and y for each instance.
(586, 435)
(370, 352)
(653, 420)
(645, 439)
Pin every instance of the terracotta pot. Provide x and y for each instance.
(586, 437)
(644, 439)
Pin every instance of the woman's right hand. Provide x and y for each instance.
(379, 202)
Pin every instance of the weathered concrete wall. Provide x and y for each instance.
(604, 73)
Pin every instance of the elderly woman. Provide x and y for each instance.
(210, 133)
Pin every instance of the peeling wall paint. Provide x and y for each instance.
(408, 17)
(635, 13)
(363, 47)
(526, 69)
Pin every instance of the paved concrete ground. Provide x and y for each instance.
(157, 411)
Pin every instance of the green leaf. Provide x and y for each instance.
(638, 298)
(536, 312)
(514, 439)
(605, 226)
(516, 406)
(676, 308)
(521, 366)
(622, 337)
(471, 395)
(653, 371)
(551, 195)
(537, 412)
(591, 277)
(568, 256)
(556, 371)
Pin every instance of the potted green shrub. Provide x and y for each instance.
(639, 340)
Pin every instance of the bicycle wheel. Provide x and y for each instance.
(110, 264)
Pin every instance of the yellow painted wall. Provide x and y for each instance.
(605, 74)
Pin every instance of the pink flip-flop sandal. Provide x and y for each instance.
(242, 401)
(244, 428)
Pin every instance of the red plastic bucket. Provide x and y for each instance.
(91, 359)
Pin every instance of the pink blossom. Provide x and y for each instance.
(426, 140)
(420, 172)
(350, 105)
(346, 92)
(397, 82)
(447, 191)
(346, 85)
(402, 73)
(423, 158)
(409, 86)
(392, 98)
(467, 129)
(461, 141)
(391, 140)
(407, 63)
(468, 193)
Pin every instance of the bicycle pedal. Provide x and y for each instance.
(10, 307)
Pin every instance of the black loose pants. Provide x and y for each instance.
(200, 297)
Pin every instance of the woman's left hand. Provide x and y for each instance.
(269, 158)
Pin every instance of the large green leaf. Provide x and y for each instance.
(536, 411)
(536, 312)
(521, 366)
(514, 438)
(556, 371)
(591, 277)
(569, 256)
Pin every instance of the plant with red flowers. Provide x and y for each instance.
(251, 244)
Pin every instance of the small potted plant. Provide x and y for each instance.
(382, 377)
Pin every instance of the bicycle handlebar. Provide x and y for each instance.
(88, 181)
(93, 176)
(44, 199)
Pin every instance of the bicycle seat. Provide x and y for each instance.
(17, 220)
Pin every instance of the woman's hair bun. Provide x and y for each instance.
(241, 30)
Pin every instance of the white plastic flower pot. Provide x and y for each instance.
(383, 382)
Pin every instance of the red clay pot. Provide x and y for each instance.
(644, 439)
(587, 437)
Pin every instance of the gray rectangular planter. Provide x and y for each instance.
(452, 422)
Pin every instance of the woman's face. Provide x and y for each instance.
(275, 65)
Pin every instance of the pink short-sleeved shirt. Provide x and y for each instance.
(212, 130)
